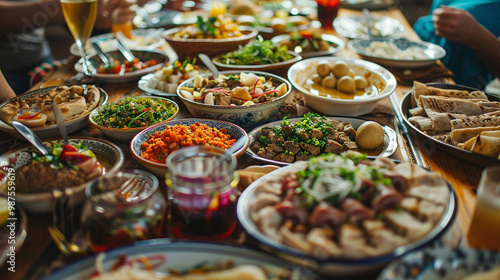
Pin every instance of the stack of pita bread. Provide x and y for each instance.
(465, 119)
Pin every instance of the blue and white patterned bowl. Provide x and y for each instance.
(159, 169)
(432, 51)
(438, 262)
(109, 155)
(244, 116)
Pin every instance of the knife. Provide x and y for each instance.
(60, 122)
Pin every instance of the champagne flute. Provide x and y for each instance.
(80, 15)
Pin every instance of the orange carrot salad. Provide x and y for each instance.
(161, 144)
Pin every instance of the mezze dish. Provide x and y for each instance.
(346, 210)
(67, 168)
(340, 85)
(296, 139)
(35, 110)
(463, 120)
(242, 89)
(245, 98)
(183, 261)
(124, 118)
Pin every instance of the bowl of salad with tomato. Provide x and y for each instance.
(120, 69)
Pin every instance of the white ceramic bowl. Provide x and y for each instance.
(244, 116)
(126, 134)
(110, 155)
(431, 51)
(379, 78)
(159, 169)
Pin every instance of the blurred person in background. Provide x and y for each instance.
(6, 91)
(468, 30)
(23, 45)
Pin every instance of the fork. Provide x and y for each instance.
(132, 187)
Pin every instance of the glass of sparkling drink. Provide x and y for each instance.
(80, 16)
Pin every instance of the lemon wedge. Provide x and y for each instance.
(4, 211)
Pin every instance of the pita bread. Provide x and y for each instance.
(420, 89)
(485, 120)
(462, 135)
(487, 145)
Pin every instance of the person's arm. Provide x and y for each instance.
(461, 27)
(6, 91)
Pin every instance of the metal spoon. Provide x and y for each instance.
(30, 136)
(367, 16)
(60, 122)
(124, 50)
(100, 53)
(210, 65)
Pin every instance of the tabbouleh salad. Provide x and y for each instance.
(133, 112)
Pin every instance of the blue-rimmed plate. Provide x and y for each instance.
(354, 27)
(336, 45)
(389, 147)
(159, 169)
(183, 256)
(438, 263)
(398, 53)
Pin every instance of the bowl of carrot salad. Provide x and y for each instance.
(152, 146)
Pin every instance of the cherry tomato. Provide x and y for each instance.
(74, 157)
(114, 67)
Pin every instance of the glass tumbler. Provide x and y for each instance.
(202, 189)
(115, 215)
(484, 230)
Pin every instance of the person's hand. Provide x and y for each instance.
(455, 25)
(107, 8)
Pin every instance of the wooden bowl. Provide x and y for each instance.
(192, 47)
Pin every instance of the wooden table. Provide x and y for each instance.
(38, 251)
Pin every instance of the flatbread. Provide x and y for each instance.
(462, 135)
(487, 145)
(420, 89)
(485, 120)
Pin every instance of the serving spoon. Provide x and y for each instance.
(210, 65)
(30, 136)
(60, 122)
(100, 53)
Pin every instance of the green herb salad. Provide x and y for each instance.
(134, 112)
(257, 53)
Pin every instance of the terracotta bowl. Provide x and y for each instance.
(192, 47)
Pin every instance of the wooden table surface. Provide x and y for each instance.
(38, 251)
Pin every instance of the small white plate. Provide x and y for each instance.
(143, 86)
(354, 27)
(144, 39)
(432, 51)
